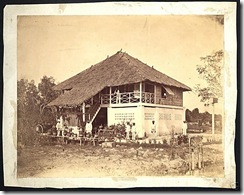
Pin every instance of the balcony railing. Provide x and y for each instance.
(128, 97)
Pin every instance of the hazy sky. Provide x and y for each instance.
(62, 46)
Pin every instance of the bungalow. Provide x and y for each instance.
(120, 89)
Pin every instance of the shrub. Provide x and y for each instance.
(165, 142)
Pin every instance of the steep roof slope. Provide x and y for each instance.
(119, 69)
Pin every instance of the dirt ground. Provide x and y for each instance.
(73, 160)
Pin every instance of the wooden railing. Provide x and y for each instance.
(128, 97)
(92, 111)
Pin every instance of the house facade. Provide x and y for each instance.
(123, 89)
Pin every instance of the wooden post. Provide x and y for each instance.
(140, 92)
(202, 157)
(189, 154)
(110, 95)
(92, 101)
(213, 137)
(199, 158)
(83, 111)
(155, 89)
(193, 160)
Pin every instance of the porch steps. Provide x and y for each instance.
(95, 114)
(92, 113)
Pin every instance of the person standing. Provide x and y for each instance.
(61, 121)
(184, 127)
(58, 128)
(117, 96)
(88, 128)
(153, 129)
(133, 130)
(127, 130)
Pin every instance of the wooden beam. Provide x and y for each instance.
(155, 90)
(140, 91)
(83, 112)
(110, 95)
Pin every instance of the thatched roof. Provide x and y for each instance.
(119, 69)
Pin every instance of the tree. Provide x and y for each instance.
(47, 94)
(206, 117)
(31, 102)
(45, 88)
(195, 113)
(211, 71)
(28, 102)
(188, 116)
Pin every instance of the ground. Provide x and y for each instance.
(73, 160)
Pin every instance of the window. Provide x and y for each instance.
(163, 92)
(149, 88)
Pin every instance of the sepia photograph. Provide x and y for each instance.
(131, 94)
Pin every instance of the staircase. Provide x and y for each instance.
(92, 113)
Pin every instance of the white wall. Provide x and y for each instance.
(165, 119)
(131, 114)
(169, 119)
(117, 115)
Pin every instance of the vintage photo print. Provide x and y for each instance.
(120, 95)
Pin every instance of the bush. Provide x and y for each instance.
(165, 142)
(182, 139)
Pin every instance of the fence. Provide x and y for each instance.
(128, 97)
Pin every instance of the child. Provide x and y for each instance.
(133, 130)
(127, 127)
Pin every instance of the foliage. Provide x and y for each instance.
(188, 116)
(30, 100)
(165, 142)
(47, 94)
(211, 72)
(45, 88)
(196, 116)
(182, 139)
(27, 109)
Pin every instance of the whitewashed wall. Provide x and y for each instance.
(165, 119)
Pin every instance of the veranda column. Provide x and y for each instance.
(140, 92)
(155, 89)
(110, 95)
(83, 111)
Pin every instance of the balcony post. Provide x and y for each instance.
(83, 111)
(140, 92)
(110, 95)
(155, 89)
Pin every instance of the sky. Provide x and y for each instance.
(62, 46)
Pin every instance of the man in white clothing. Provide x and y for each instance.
(58, 128)
(88, 127)
(184, 127)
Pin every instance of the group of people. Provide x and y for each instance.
(60, 127)
(130, 130)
